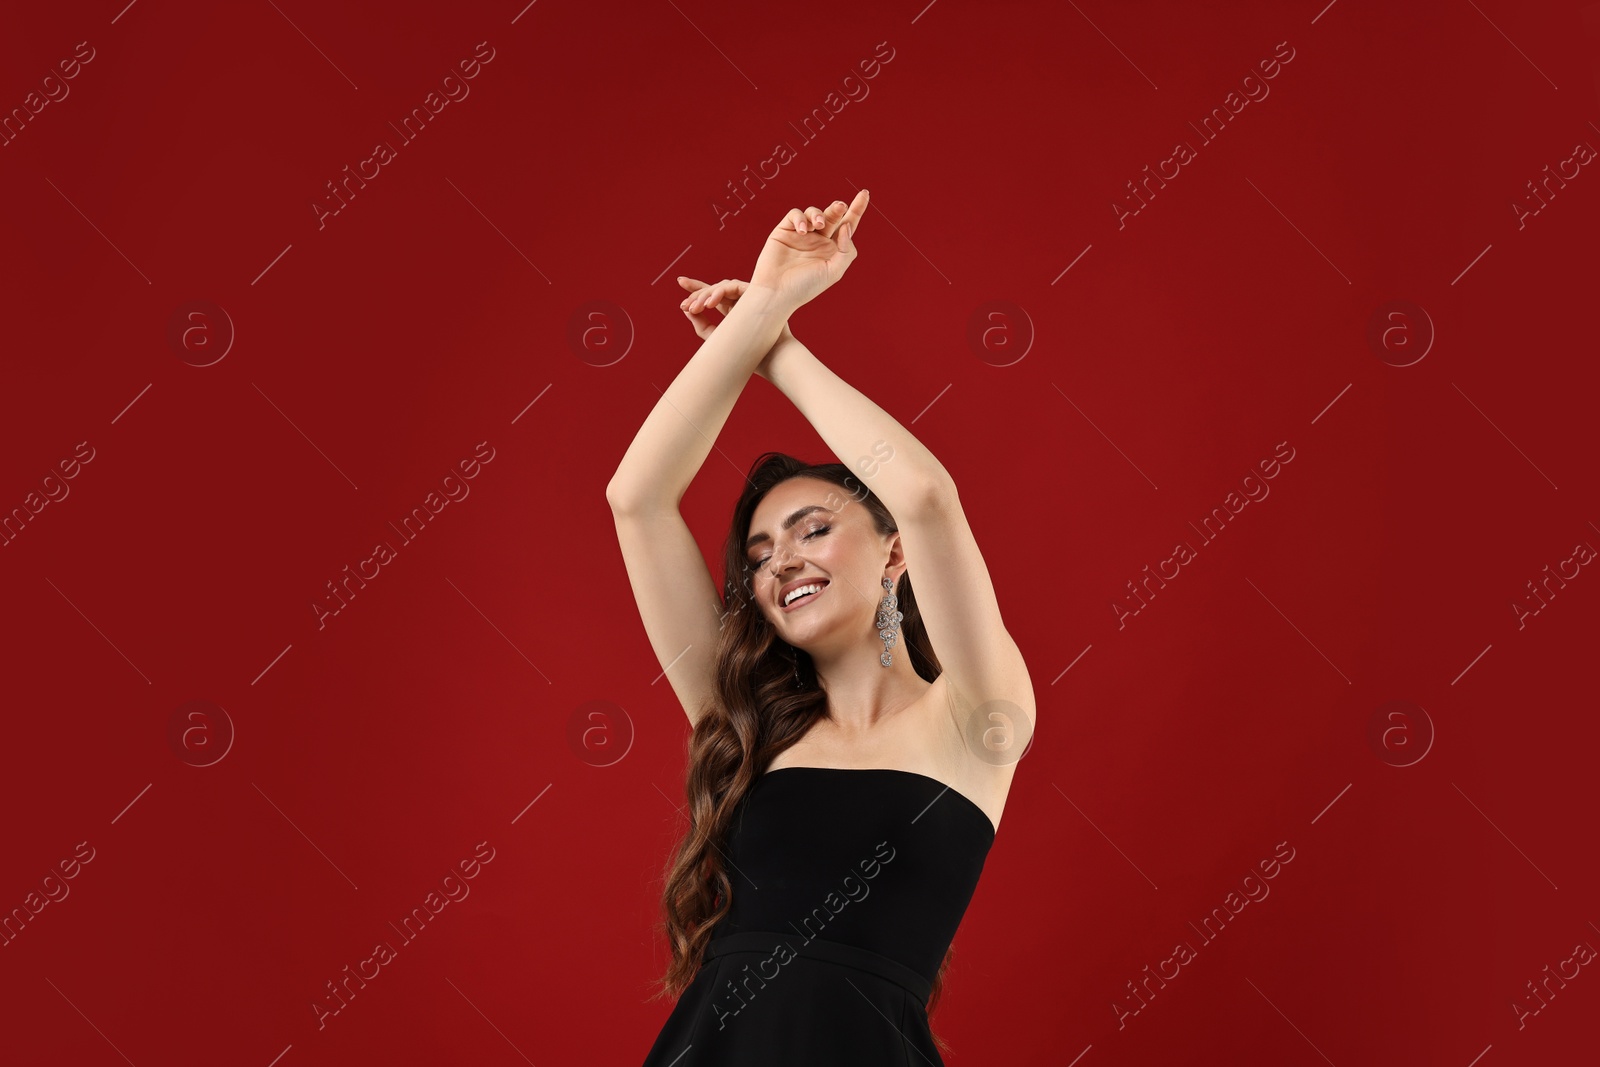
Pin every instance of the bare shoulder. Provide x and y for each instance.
(976, 745)
(968, 750)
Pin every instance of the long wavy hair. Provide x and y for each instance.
(756, 711)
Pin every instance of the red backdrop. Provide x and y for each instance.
(1259, 342)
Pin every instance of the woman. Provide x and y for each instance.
(845, 782)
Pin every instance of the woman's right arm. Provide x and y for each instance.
(801, 257)
(676, 594)
(677, 435)
(672, 586)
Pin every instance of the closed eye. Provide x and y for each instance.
(820, 530)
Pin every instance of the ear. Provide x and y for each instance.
(896, 563)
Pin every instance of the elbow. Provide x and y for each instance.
(937, 494)
(932, 497)
(624, 498)
(617, 497)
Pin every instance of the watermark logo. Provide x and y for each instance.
(1541, 994)
(1552, 581)
(1142, 591)
(1255, 90)
(53, 889)
(600, 732)
(342, 591)
(200, 733)
(52, 490)
(1542, 190)
(342, 192)
(744, 189)
(600, 333)
(1000, 333)
(452, 889)
(52, 90)
(1253, 888)
(200, 333)
(999, 733)
(1400, 333)
(1400, 733)
(852, 889)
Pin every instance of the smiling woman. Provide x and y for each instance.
(830, 675)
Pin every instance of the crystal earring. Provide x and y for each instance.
(888, 621)
(794, 656)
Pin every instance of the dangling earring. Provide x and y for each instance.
(794, 656)
(888, 621)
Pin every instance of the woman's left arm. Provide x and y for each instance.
(989, 691)
(867, 439)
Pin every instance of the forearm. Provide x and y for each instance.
(677, 435)
(898, 469)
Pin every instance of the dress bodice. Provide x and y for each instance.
(880, 859)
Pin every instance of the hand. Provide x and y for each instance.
(809, 251)
(722, 296)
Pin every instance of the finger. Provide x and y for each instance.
(834, 215)
(693, 304)
(694, 285)
(852, 217)
(713, 295)
(794, 220)
(814, 220)
(697, 319)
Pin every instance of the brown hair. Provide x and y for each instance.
(755, 712)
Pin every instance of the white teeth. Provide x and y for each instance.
(800, 590)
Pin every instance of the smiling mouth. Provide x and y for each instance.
(795, 605)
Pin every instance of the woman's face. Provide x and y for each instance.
(810, 531)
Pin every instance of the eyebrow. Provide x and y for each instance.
(788, 523)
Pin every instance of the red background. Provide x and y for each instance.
(364, 359)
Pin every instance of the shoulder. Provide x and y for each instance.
(980, 743)
(994, 733)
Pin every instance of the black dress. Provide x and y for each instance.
(848, 887)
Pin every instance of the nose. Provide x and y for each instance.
(783, 560)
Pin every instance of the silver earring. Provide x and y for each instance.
(794, 654)
(888, 621)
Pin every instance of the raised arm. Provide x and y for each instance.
(676, 436)
(675, 592)
(893, 464)
(799, 259)
(989, 693)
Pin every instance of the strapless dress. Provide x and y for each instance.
(848, 887)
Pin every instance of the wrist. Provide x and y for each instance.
(765, 301)
(780, 360)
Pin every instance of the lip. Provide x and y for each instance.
(797, 605)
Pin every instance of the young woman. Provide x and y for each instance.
(852, 741)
